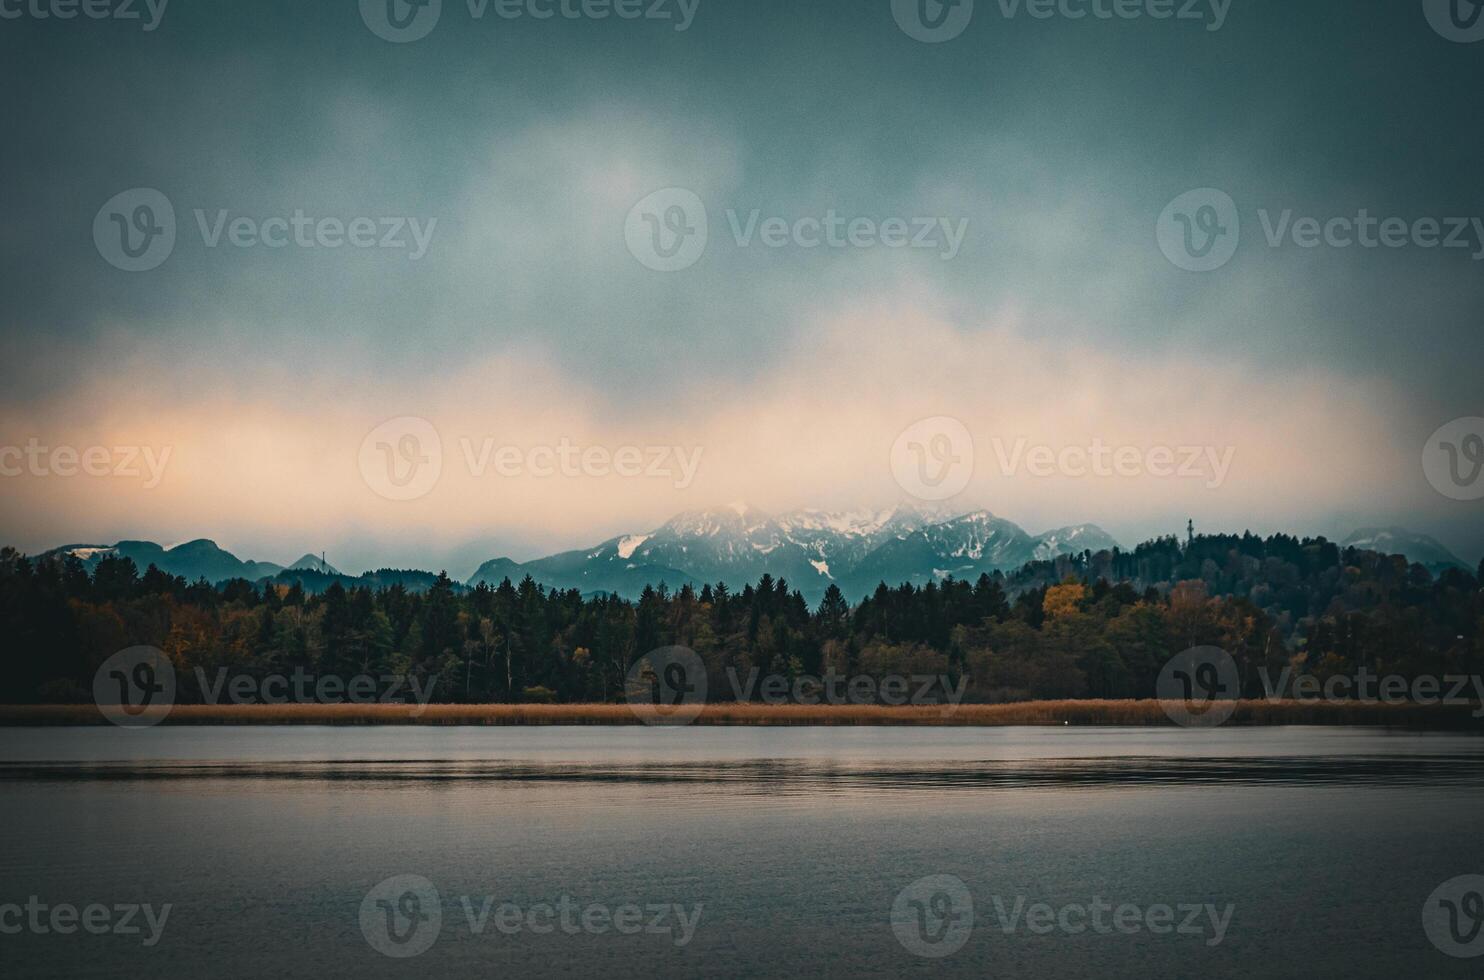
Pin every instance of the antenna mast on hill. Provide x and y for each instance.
(1190, 533)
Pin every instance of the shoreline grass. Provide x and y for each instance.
(1142, 713)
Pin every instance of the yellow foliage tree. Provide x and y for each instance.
(1063, 600)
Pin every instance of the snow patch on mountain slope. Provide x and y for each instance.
(629, 543)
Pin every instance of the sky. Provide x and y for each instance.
(976, 228)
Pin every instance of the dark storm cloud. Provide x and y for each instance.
(527, 140)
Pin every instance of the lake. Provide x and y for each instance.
(633, 851)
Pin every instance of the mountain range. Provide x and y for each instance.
(810, 549)
(193, 560)
(1419, 548)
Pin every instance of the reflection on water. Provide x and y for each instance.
(795, 843)
(772, 760)
(771, 776)
(638, 743)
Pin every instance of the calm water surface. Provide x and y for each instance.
(784, 850)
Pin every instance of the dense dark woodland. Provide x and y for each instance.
(1095, 626)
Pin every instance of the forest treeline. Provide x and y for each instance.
(1085, 626)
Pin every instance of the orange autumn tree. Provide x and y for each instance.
(1064, 600)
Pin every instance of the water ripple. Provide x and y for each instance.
(800, 775)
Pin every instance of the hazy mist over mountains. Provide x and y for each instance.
(810, 549)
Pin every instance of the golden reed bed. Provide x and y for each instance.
(1147, 712)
